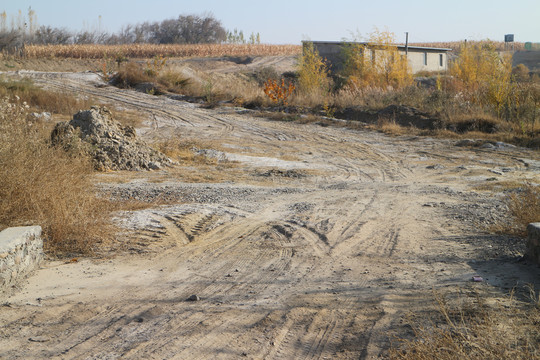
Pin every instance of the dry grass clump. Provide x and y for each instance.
(42, 100)
(156, 78)
(184, 152)
(475, 330)
(390, 127)
(131, 75)
(41, 185)
(173, 81)
(524, 208)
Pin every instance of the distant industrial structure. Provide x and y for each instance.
(420, 58)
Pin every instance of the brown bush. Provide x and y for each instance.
(173, 81)
(41, 185)
(130, 75)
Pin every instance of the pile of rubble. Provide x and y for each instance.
(111, 145)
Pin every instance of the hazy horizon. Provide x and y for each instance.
(282, 22)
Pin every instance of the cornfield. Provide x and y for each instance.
(93, 51)
(455, 45)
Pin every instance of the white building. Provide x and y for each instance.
(420, 58)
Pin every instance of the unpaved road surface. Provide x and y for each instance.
(347, 232)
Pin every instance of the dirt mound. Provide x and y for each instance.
(111, 145)
(407, 116)
(402, 115)
(489, 126)
(357, 113)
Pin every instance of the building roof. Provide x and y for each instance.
(367, 44)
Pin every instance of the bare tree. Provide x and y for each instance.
(186, 29)
(91, 37)
(49, 35)
(10, 39)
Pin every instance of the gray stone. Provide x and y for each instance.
(465, 142)
(194, 298)
(44, 116)
(497, 172)
(533, 242)
(501, 144)
(38, 339)
(488, 146)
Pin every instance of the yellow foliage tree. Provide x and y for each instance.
(377, 63)
(313, 71)
(483, 75)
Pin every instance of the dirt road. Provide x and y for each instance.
(347, 232)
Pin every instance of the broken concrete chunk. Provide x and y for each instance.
(111, 145)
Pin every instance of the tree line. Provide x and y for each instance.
(185, 29)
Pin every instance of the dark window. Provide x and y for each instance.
(441, 60)
(425, 58)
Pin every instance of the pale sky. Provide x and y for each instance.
(290, 22)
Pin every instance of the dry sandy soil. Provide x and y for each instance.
(316, 244)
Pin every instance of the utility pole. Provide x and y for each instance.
(407, 44)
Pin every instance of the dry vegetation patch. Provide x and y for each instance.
(524, 208)
(40, 99)
(469, 328)
(42, 185)
(96, 51)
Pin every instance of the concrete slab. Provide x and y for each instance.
(21, 252)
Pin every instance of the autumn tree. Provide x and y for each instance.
(483, 75)
(376, 63)
(313, 71)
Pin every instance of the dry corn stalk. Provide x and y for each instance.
(93, 51)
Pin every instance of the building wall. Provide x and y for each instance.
(332, 52)
(417, 61)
